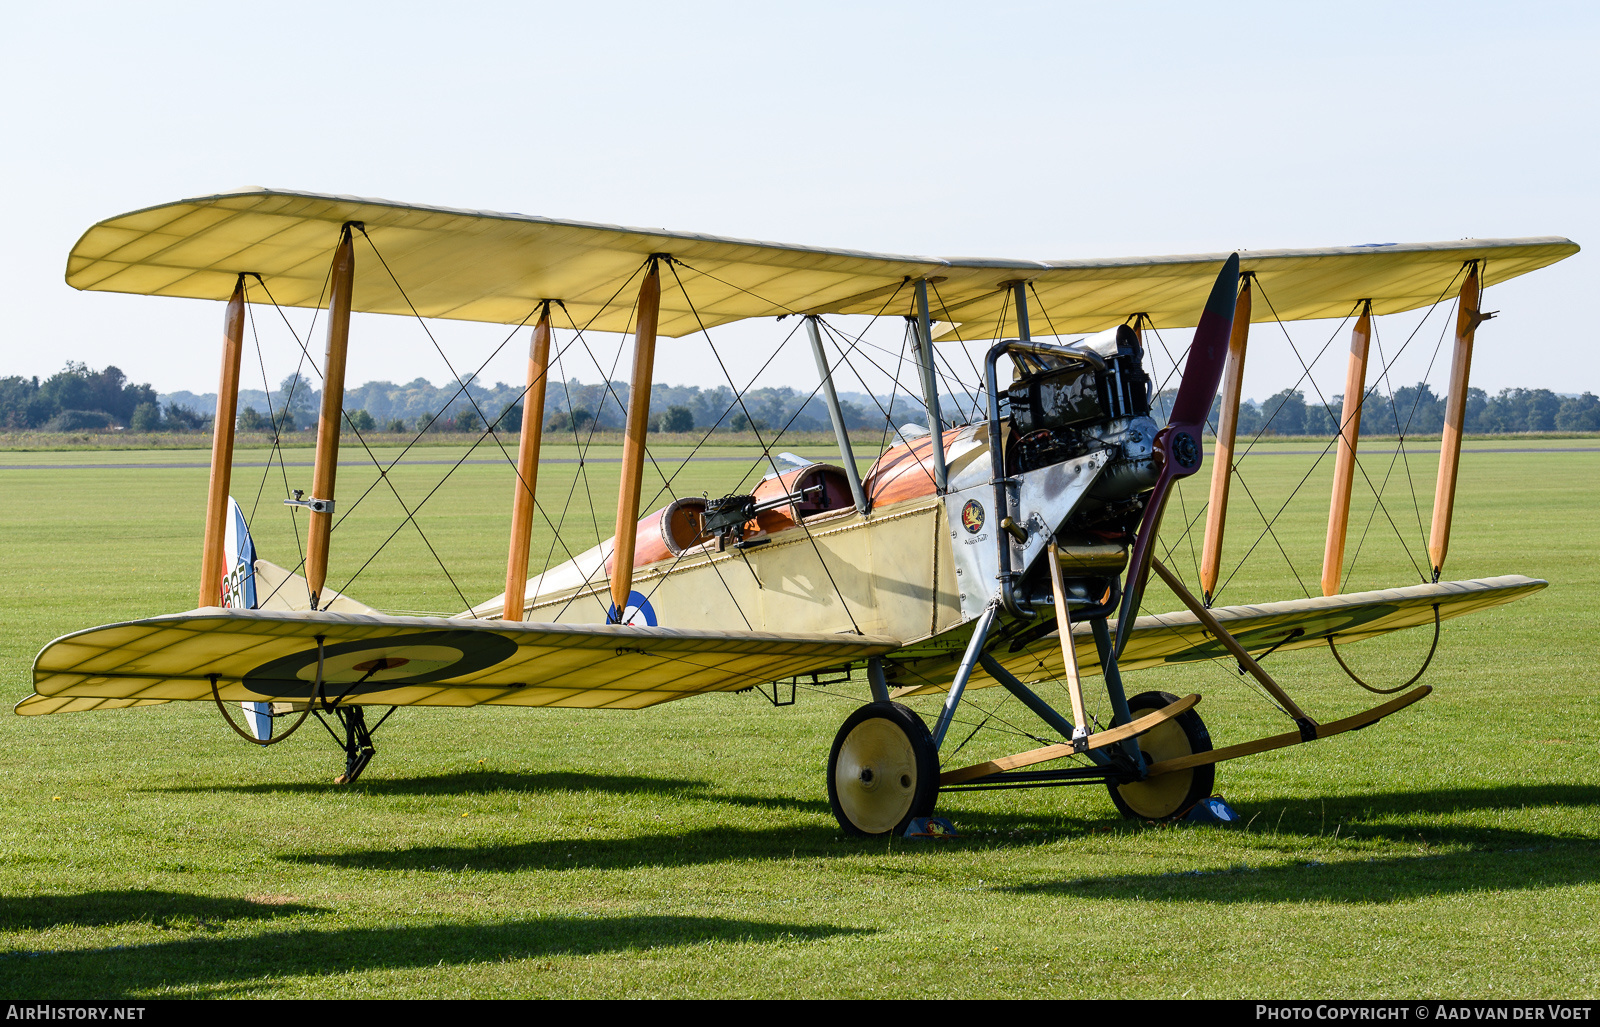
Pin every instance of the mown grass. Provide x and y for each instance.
(688, 850)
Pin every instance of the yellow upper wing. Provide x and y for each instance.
(478, 265)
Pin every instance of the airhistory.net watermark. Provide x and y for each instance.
(70, 1011)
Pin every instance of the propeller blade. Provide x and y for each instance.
(1208, 354)
(1139, 561)
(1179, 442)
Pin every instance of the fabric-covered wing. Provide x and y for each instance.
(480, 265)
(36, 704)
(417, 661)
(1180, 638)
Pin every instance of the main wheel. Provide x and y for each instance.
(883, 770)
(1168, 796)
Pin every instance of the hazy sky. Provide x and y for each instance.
(1022, 130)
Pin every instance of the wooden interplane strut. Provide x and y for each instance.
(326, 471)
(1468, 317)
(1344, 466)
(633, 443)
(523, 499)
(222, 435)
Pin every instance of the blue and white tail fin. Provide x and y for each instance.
(239, 592)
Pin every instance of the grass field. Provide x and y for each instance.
(688, 850)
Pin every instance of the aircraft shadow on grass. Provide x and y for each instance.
(221, 966)
(484, 782)
(1378, 880)
(161, 908)
(1484, 858)
(469, 782)
(1399, 818)
(689, 848)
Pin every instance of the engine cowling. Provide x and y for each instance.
(1063, 409)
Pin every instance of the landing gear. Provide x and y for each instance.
(357, 741)
(882, 771)
(1168, 796)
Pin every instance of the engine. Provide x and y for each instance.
(1074, 407)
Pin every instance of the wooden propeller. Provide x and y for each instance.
(1179, 442)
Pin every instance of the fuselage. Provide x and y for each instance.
(818, 565)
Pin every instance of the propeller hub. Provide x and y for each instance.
(1185, 450)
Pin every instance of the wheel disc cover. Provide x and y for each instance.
(1160, 797)
(876, 775)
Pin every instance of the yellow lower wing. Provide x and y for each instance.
(1181, 638)
(416, 661)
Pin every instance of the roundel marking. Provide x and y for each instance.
(378, 664)
(638, 614)
(972, 516)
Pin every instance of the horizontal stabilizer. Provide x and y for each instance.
(280, 589)
(420, 661)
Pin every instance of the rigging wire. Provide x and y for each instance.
(1339, 432)
(666, 487)
(276, 451)
(798, 519)
(980, 409)
(383, 472)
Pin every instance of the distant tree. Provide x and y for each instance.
(251, 419)
(1579, 413)
(1285, 413)
(298, 401)
(146, 417)
(1323, 419)
(857, 417)
(78, 420)
(26, 403)
(16, 396)
(675, 419)
(1250, 420)
(360, 420)
(1477, 408)
(1416, 410)
(71, 387)
(1542, 406)
(395, 425)
(467, 420)
(510, 420)
(182, 418)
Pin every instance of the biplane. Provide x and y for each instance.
(1003, 548)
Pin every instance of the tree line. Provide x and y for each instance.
(78, 398)
(1409, 410)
